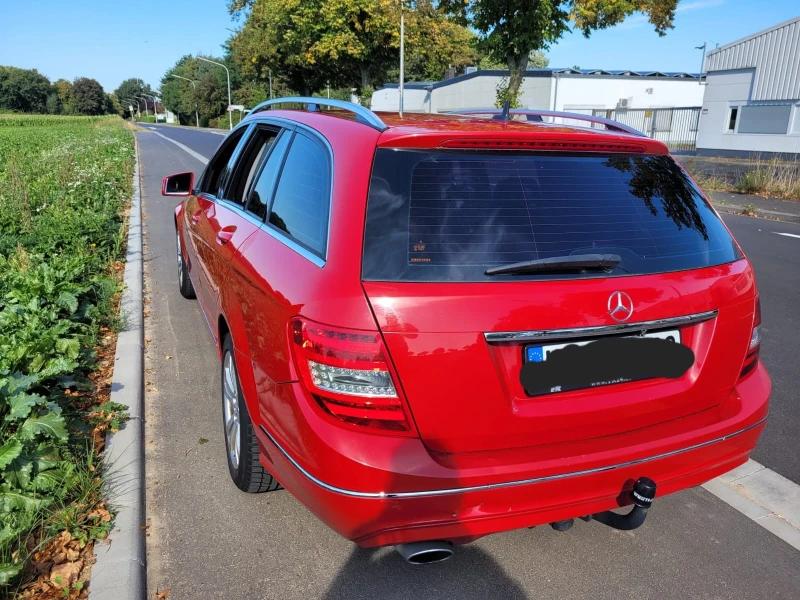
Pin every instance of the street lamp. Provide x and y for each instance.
(197, 118)
(138, 105)
(230, 115)
(145, 104)
(155, 108)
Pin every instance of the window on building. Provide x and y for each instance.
(765, 118)
(732, 115)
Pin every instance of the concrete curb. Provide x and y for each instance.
(120, 572)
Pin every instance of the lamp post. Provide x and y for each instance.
(138, 106)
(197, 118)
(228, 74)
(145, 104)
(155, 108)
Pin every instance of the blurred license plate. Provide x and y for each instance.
(540, 353)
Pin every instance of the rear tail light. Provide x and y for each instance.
(751, 360)
(347, 373)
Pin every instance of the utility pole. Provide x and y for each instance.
(270, 84)
(213, 62)
(402, 56)
(196, 117)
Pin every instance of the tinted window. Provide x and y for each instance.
(257, 147)
(262, 190)
(213, 178)
(300, 208)
(446, 216)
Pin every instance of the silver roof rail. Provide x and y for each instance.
(609, 124)
(363, 114)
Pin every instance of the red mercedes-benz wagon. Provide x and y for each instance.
(437, 327)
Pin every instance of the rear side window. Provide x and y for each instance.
(250, 159)
(448, 216)
(302, 198)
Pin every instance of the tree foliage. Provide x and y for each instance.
(510, 29)
(308, 44)
(23, 90)
(88, 97)
(208, 95)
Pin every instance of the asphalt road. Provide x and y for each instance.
(208, 540)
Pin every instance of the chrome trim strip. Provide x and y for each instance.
(580, 332)
(493, 486)
(289, 243)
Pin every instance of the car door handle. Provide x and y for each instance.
(196, 217)
(225, 234)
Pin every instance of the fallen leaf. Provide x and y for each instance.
(65, 574)
(162, 595)
(169, 357)
(202, 441)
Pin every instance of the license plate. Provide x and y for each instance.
(605, 361)
(540, 353)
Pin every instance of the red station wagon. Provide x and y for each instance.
(437, 327)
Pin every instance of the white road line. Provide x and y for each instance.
(794, 235)
(197, 155)
(767, 498)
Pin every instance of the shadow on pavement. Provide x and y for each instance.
(382, 573)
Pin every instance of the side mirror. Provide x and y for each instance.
(180, 184)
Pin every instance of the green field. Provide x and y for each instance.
(64, 184)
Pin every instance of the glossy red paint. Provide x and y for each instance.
(532, 460)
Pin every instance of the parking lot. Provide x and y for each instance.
(208, 540)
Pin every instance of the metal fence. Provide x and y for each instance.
(676, 127)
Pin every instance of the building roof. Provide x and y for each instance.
(589, 73)
(774, 53)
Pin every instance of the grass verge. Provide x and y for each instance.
(768, 177)
(64, 185)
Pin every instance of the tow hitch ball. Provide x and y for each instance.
(642, 495)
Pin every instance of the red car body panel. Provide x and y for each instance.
(482, 456)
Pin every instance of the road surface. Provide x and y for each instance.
(208, 540)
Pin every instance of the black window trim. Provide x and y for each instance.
(236, 151)
(316, 258)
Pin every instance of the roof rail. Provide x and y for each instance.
(363, 114)
(536, 115)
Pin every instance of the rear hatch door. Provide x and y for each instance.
(437, 220)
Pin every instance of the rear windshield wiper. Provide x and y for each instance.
(574, 262)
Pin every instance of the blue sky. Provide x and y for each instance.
(111, 40)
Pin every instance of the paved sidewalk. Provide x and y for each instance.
(769, 208)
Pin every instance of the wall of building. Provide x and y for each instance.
(582, 93)
(774, 54)
(727, 89)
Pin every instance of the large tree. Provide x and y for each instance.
(25, 90)
(511, 29)
(345, 43)
(209, 93)
(88, 97)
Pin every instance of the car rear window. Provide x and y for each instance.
(450, 215)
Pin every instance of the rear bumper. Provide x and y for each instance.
(467, 503)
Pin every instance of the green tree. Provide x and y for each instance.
(24, 90)
(54, 106)
(64, 90)
(88, 97)
(278, 36)
(208, 95)
(510, 29)
(132, 88)
(536, 60)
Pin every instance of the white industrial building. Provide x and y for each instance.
(752, 97)
(583, 90)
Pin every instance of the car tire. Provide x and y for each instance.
(184, 281)
(241, 445)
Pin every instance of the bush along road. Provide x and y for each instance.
(64, 186)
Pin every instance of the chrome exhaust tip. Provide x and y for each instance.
(424, 553)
